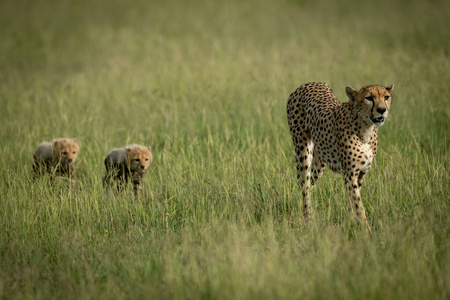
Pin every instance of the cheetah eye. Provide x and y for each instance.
(386, 97)
(370, 98)
(137, 159)
(74, 152)
(64, 153)
(146, 159)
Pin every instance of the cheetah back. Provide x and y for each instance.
(311, 114)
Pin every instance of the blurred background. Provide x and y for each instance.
(205, 83)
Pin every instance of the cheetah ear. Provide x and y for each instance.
(75, 140)
(390, 88)
(128, 148)
(149, 148)
(56, 146)
(351, 93)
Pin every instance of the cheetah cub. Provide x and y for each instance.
(57, 159)
(130, 162)
(343, 136)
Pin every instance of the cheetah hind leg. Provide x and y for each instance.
(304, 166)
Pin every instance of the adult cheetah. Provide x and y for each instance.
(343, 136)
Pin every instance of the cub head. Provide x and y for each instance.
(139, 157)
(66, 150)
(371, 102)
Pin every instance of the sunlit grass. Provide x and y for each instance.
(206, 84)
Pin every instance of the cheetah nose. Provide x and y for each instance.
(70, 160)
(142, 167)
(381, 110)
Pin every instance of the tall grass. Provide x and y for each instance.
(206, 83)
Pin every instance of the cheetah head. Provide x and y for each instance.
(66, 150)
(139, 157)
(371, 102)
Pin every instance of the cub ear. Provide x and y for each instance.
(351, 93)
(390, 88)
(149, 148)
(128, 148)
(75, 140)
(56, 145)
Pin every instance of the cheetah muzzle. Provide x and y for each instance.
(378, 121)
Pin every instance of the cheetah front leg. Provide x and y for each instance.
(318, 167)
(73, 184)
(71, 175)
(361, 179)
(351, 182)
(137, 186)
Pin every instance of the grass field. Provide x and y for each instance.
(205, 83)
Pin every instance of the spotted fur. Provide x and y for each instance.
(130, 162)
(343, 136)
(57, 158)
